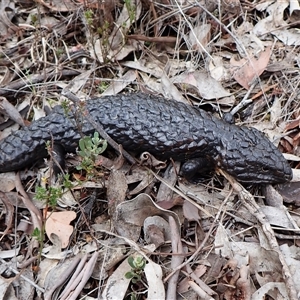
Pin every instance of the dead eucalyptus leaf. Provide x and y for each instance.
(205, 85)
(245, 71)
(130, 215)
(58, 223)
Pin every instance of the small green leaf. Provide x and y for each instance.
(129, 275)
(131, 262)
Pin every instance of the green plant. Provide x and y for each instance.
(34, 19)
(66, 107)
(133, 296)
(50, 194)
(38, 235)
(88, 14)
(90, 147)
(103, 86)
(137, 265)
(67, 182)
(104, 30)
(59, 51)
(131, 10)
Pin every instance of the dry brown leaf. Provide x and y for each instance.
(170, 90)
(165, 196)
(116, 39)
(118, 85)
(142, 177)
(231, 6)
(108, 259)
(276, 289)
(153, 67)
(9, 213)
(7, 181)
(290, 192)
(276, 24)
(5, 74)
(277, 216)
(292, 125)
(6, 290)
(154, 235)
(295, 10)
(245, 71)
(217, 69)
(244, 282)
(11, 111)
(7, 13)
(200, 36)
(154, 275)
(117, 284)
(156, 230)
(116, 190)
(126, 50)
(168, 204)
(61, 6)
(130, 215)
(53, 275)
(190, 211)
(201, 83)
(58, 223)
(183, 285)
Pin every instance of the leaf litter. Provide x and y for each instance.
(198, 241)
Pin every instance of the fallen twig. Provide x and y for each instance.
(251, 205)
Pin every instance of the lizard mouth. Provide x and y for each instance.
(267, 178)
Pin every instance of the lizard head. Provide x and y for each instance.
(254, 159)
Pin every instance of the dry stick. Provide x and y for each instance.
(34, 79)
(78, 260)
(22, 276)
(224, 27)
(190, 273)
(176, 260)
(171, 13)
(265, 89)
(131, 243)
(192, 31)
(37, 218)
(245, 101)
(99, 127)
(85, 275)
(249, 202)
(158, 39)
(9, 214)
(201, 246)
(184, 196)
(199, 291)
(242, 47)
(36, 215)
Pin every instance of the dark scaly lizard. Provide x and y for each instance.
(165, 128)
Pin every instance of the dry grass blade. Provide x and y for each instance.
(251, 205)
